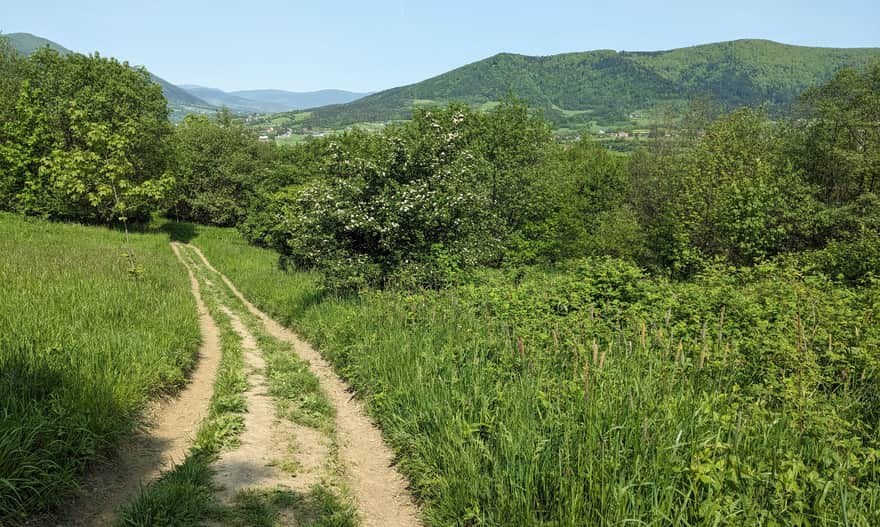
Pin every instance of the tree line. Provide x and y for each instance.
(87, 138)
(456, 189)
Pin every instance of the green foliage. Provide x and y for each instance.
(221, 168)
(14, 69)
(839, 139)
(731, 196)
(607, 86)
(218, 162)
(87, 141)
(81, 351)
(416, 204)
(595, 394)
(576, 195)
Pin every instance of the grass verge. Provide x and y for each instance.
(84, 345)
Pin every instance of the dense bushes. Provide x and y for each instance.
(219, 167)
(453, 190)
(415, 204)
(731, 196)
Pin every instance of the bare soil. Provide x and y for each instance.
(267, 443)
(379, 490)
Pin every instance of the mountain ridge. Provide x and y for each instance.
(577, 88)
(178, 99)
(183, 99)
(271, 100)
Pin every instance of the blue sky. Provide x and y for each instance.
(371, 45)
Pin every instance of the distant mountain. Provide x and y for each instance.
(605, 85)
(299, 100)
(179, 101)
(178, 97)
(220, 98)
(270, 101)
(25, 43)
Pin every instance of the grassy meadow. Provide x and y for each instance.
(593, 394)
(85, 342)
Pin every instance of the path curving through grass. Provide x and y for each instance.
(379, 491)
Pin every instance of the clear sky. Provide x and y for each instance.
(369, 45)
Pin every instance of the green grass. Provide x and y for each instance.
(595, 395)
(267, 508)
(83, 347)
(294, 387)
(181, 497)
(184, 495)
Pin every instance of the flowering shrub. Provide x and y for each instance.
(415, 206)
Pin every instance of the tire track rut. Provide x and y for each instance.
(379, 490)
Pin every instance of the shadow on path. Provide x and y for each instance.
(179, 231)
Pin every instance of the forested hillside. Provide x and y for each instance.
(605, 85)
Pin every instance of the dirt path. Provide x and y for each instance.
(380, 492)
(173, 423)
(266, 441)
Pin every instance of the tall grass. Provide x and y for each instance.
(84, 344)
(599, 396)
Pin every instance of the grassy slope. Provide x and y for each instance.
(608, 83)
(653, 412)
(83, 346)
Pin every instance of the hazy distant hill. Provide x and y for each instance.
(270, 101)
(178, 99)
(221, 98)
(286, 100)
(607, 85)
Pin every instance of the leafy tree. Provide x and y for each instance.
(513, 141)
(407, 204)
(13, 70)
(839, 143)
(219, 163)
(88, 141)
(732, 196)
(573, 193)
